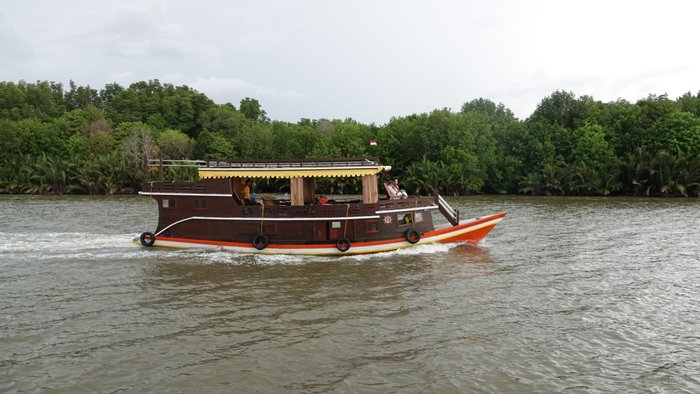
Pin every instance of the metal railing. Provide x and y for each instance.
(450, 213)
(281, 163)
(294, 163)
(176, 163)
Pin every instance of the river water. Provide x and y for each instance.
(568, 295)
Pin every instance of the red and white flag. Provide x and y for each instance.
(373, 142)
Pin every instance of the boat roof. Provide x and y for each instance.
(291, 168)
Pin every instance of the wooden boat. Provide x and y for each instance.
(212, 212)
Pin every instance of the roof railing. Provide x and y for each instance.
(281, 163)
(176, 163)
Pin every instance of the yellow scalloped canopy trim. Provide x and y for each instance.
(290, 172)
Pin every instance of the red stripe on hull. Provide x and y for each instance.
(471, 237)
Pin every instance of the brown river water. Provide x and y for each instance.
(570, 295)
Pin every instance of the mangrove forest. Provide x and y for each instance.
(79, 140)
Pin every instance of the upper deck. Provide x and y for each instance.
(292, 168)
(300, 172)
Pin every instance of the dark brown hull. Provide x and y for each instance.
(208, 211)
(210, 214)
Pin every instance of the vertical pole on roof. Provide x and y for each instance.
(296, 189)
(309, 189)
(370, 191)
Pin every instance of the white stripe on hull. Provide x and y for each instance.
(185, 194)
(425, 208)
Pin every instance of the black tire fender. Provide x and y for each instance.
(147, 238)
(343, 244)
(260, 241)
(412, 236)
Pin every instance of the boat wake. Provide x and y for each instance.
(412, 251)
(63, 246)
(233, 258)
(227, 257)
(69, 246)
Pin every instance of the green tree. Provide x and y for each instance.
(677, 130)
(596, 163)
(224, 119)
(653, 110)
(211, 145)
(175, 144)
(12, 101)
(179, 113)
(293, 140)
(80, 97)
(563, 109)
(252, 110)
(253, 142)
(690, 103)
(346, 138)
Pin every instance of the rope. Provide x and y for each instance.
(262, 217)
(414, 214)
(347, 214)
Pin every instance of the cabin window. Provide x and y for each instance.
(168, 203)
(200, 204)
(403, 219)
(418, 216)
(371, 226)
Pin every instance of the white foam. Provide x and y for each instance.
(411, 251)
(70, 246)
(87, 246)
(37, 242)
(235, 258)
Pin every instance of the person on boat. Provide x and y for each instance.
(394, 191)
(323, 200)
(252, 198)
(246, 192)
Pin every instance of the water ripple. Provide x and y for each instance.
(566, 295)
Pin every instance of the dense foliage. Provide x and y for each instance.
(80, 140)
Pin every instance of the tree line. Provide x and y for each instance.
(76, 139)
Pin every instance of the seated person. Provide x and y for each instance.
(394, 191)
(322, 200)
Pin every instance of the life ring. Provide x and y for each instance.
(147, 238)
(260, 241)
(412, 236)
(343, 244)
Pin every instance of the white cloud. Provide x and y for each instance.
(239, 87)
(124, 78)
(135, 31)
(365, 59)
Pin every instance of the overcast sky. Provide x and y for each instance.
(368, 60)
